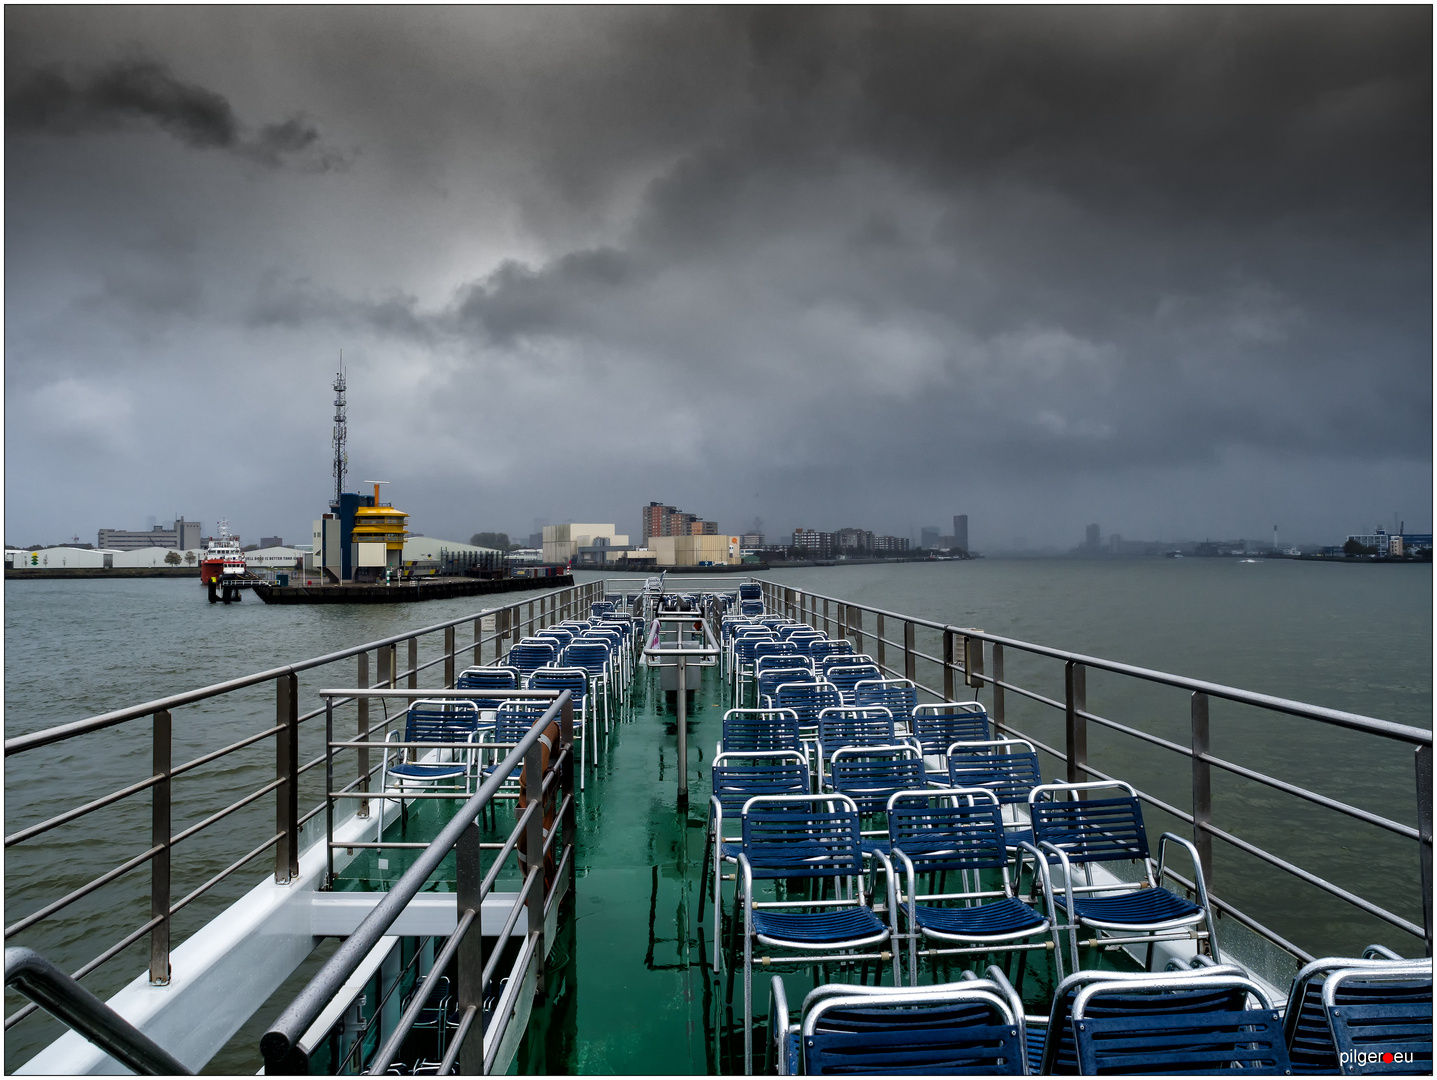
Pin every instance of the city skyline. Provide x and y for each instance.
(1163, 268)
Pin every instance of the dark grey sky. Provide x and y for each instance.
(1169, 270)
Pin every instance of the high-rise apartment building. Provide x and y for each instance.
(928, 537)
(1094, 537)
(815, 544)
(960, 532)
(661, 520)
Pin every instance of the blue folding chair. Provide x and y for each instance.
(771, 678)
(842, 726)
(737, 777)
(847, 677)
(595, 658)
(446, 768)
(898, 696)
(1149, 1034)
(825, 647)
(964, 1028)
(488, 678)
(870, 776)
(1071, 832)
(804, 836)
(1306, 1027)
(574, 679)
(955, 829)
(529, 655)
(938, 725)
(1007, 767)
(759, 729)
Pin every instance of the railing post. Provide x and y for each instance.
(531, 618)
(1424, 838)
(827, 625)
(999, 719)
(516, 623)
(160, 864)
(1202, 787)
(910, 662)
(478, 639)
(973, 662)
(413, 660)
(1076, 693)
(882, 655)
(566, 739)
(947, 665)
(286, 768)
(857, 627)
(449, 657)
(533, 779)
(469, 872)
(363, 734)
(683, 730)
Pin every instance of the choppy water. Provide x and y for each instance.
(1357, 638)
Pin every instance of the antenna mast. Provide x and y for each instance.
(341, 425)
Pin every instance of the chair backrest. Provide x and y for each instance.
(948, 829)
(850, 725)
(1381, 1021)
(738, 777)
(848, 676)
(789, 661)
(960, 1028)
(487, 678)
(751, 607)
(845, 660)
(1060, 1056)
(1305, 1024)
(1092, 829)
(899, 695)
(773, 648)
(562, 634)
(560, 678)
(871, 775)
(786, 630)
(1007, 767)
(589, 655)
(441, 721)
(1148, 1031)
(802, 836)
(806, 699)
(515, 717)
(530, 654)
(938, 725)
(759, 729)
(770, 679)
(750, 590)
(745, 644)
(821, 647)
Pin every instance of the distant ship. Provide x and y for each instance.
(223, 558)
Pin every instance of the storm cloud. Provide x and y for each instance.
(1167, 269)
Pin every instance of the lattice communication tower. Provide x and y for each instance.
(341, 426)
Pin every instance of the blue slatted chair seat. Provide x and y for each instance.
(944, 1041)
(423, 771)
(1037, 1035)
(790, 1053)
(1005, 916)
(1145, 906)
(825, 927)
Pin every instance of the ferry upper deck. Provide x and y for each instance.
(714, 827)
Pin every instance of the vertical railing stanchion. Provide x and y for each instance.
(857, 626)
(882, 654)
(947, 664)
(478, 639)
(1076, 735)
(160, 864)
(910, 661)
(413, 661)
(516, 623)
(449, 657)
(362, 734)
(1202, 787)
(1424, 835)
(1000, 720)
(533, 780)
(827, 625)
(566, 740)
(286, 768)
(469, 872)
(329, 789)
(683, 730)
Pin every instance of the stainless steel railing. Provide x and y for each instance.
(962, 662)
(281, 1045)
(292, 786)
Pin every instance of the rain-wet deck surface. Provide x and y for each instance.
(630, 984)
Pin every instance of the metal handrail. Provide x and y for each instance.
(70, 1003)
(281, 1043)
(505, 622)
(804, 606)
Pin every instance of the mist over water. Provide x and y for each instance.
(1351, 637)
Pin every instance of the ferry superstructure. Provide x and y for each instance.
(444, 950)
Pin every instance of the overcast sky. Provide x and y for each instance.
(1165, 270)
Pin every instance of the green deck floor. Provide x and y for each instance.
(631, 989)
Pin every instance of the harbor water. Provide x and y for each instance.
(1351, 637)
